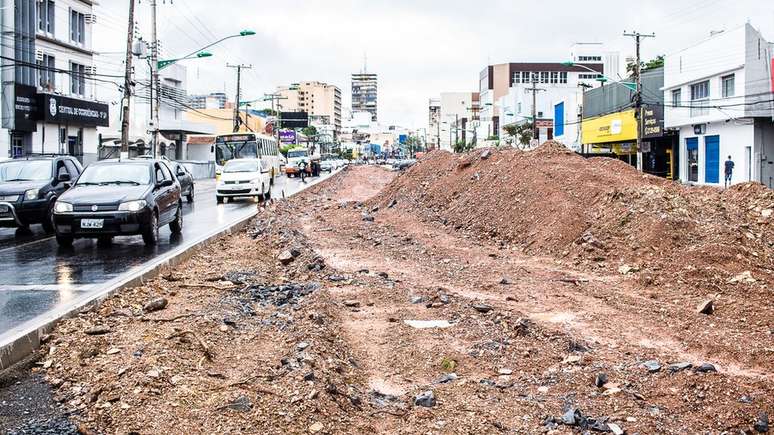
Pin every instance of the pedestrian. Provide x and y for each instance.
(729, 170)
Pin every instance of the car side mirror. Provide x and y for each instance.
(63, 178)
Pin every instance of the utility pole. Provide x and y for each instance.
(127, 85)
(273, 98)
(638, 94)
(237, 118)
(534, 89)
(155, 84)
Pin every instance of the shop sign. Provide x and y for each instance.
(616, 127)
(287, 136)
(63, 110)
(26, 108)
(652, 121)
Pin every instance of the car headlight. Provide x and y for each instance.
(31, 194)
(63, 207)
(132, 205)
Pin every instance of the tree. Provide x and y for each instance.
(657, 62)
(309, 131)
(522, 134)
(462, 147)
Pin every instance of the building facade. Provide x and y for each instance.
(457, 111)
(365, 94)
(321, 100)
(213, 100)
(49, 80)
(723, 108)
(434, 123)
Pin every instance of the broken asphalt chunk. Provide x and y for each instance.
(482, 308)
(706, 307)
(155, 305)
(426, 399)
(762, 423)
(98, 330)
(705, 368)
(680, 366)
(652, 366)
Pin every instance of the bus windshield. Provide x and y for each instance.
(235, 150)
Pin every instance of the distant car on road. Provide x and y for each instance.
(244, 178)
(30, 187)
(116, 198)
(186, 179)
(328, 165)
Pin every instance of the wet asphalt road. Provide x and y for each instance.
(37, 276)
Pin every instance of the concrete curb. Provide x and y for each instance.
(24, 343)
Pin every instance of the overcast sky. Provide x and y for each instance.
(419, 48)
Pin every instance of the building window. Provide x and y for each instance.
(47, 73)
(677, 97)
(589, 58)
(544, 77)
(517, 77)
(563, 77)
(45, 10)
(699, 96)
(77, 79)
(77, 27)
(588, 76)
(728, 83)
(554, 77)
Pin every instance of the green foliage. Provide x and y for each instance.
(462, 147)
(285, 148)
(522, 134)
(448, 364)
(347, 154)
(310, 131)
(493, 137)
(657, 62)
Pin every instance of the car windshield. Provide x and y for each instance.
(119, 173)
(297, 153)
(241, 166)
(25, 170)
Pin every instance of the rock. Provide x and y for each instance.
(653, 366)
(316, 427)
(767, 213)
(676, 367)
(542, 389)
(417, 300)
(486, 154)
(174, 380)
(113, 351)
(98, 330)
(375, 209)
(449, 377)
(706, 307)
(572, 417)
(506, 281)
(600, 380)
(482, 308)
(444, 299)
(240, 404)
(383, 275)
(611, 391)
(223, 328)
(505, 372)
(351, 303)
(295, 253)
(367, 217)
(744, 399)
(572, 359)
(744, 278)
(706, 368)
(426, 399)
(155, 305)
(155, 374)
(302, 345)
(615, 429)
(626, 269)
(309, 377)
(392, 203)
(762, 423)
(286, 258)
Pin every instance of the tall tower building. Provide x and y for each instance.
(364, 93)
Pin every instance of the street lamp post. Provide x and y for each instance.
(200, 52)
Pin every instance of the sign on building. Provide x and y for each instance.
(294, 119)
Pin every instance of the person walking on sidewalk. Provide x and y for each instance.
(729, 170)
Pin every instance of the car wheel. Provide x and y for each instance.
(190, 196)
(48, 219)
(219, 199)
(267, 197)
(151, 234)
(64, 241)
(177, 225)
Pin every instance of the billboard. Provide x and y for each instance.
(616, 127)
(287, 136)
(294, 119)
(63, 110)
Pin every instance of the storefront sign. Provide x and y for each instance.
(652, 121)
(287, 136)
(545, 123)
(617, 127)
(26, 108)
(64, 110)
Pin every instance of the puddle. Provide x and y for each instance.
(427, 324)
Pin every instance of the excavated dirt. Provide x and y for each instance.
(527, 320)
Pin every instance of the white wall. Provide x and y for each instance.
(733, 141)
(454, 106)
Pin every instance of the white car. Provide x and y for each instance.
(244, 178)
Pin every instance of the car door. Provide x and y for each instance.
(161, 194)
(183, 177)
(172, 193)
(59, 187)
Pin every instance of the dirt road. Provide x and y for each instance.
(333, 315)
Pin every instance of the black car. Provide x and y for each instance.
(186, 180)
(29, 188)
(117, 198)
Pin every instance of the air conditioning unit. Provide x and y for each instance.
(39, 55)
(90, 19)
(90, 70)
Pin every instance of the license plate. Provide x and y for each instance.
(92, 223)
(4, 209)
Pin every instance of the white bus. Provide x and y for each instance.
(248, 145)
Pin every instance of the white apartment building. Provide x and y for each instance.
(718, 94)
(321, 100)
(49, 79)
(457, 110)
(434, 123)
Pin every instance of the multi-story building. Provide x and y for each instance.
(51, 107)
(321, 100)
(457, 110)
(365, 94)
(213, 100)
(506, 85)
(434, 123)
(718, 94)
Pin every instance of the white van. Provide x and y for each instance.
(244, 178)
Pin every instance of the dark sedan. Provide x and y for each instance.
(186, 180)
(118, 198)
(29, 188)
